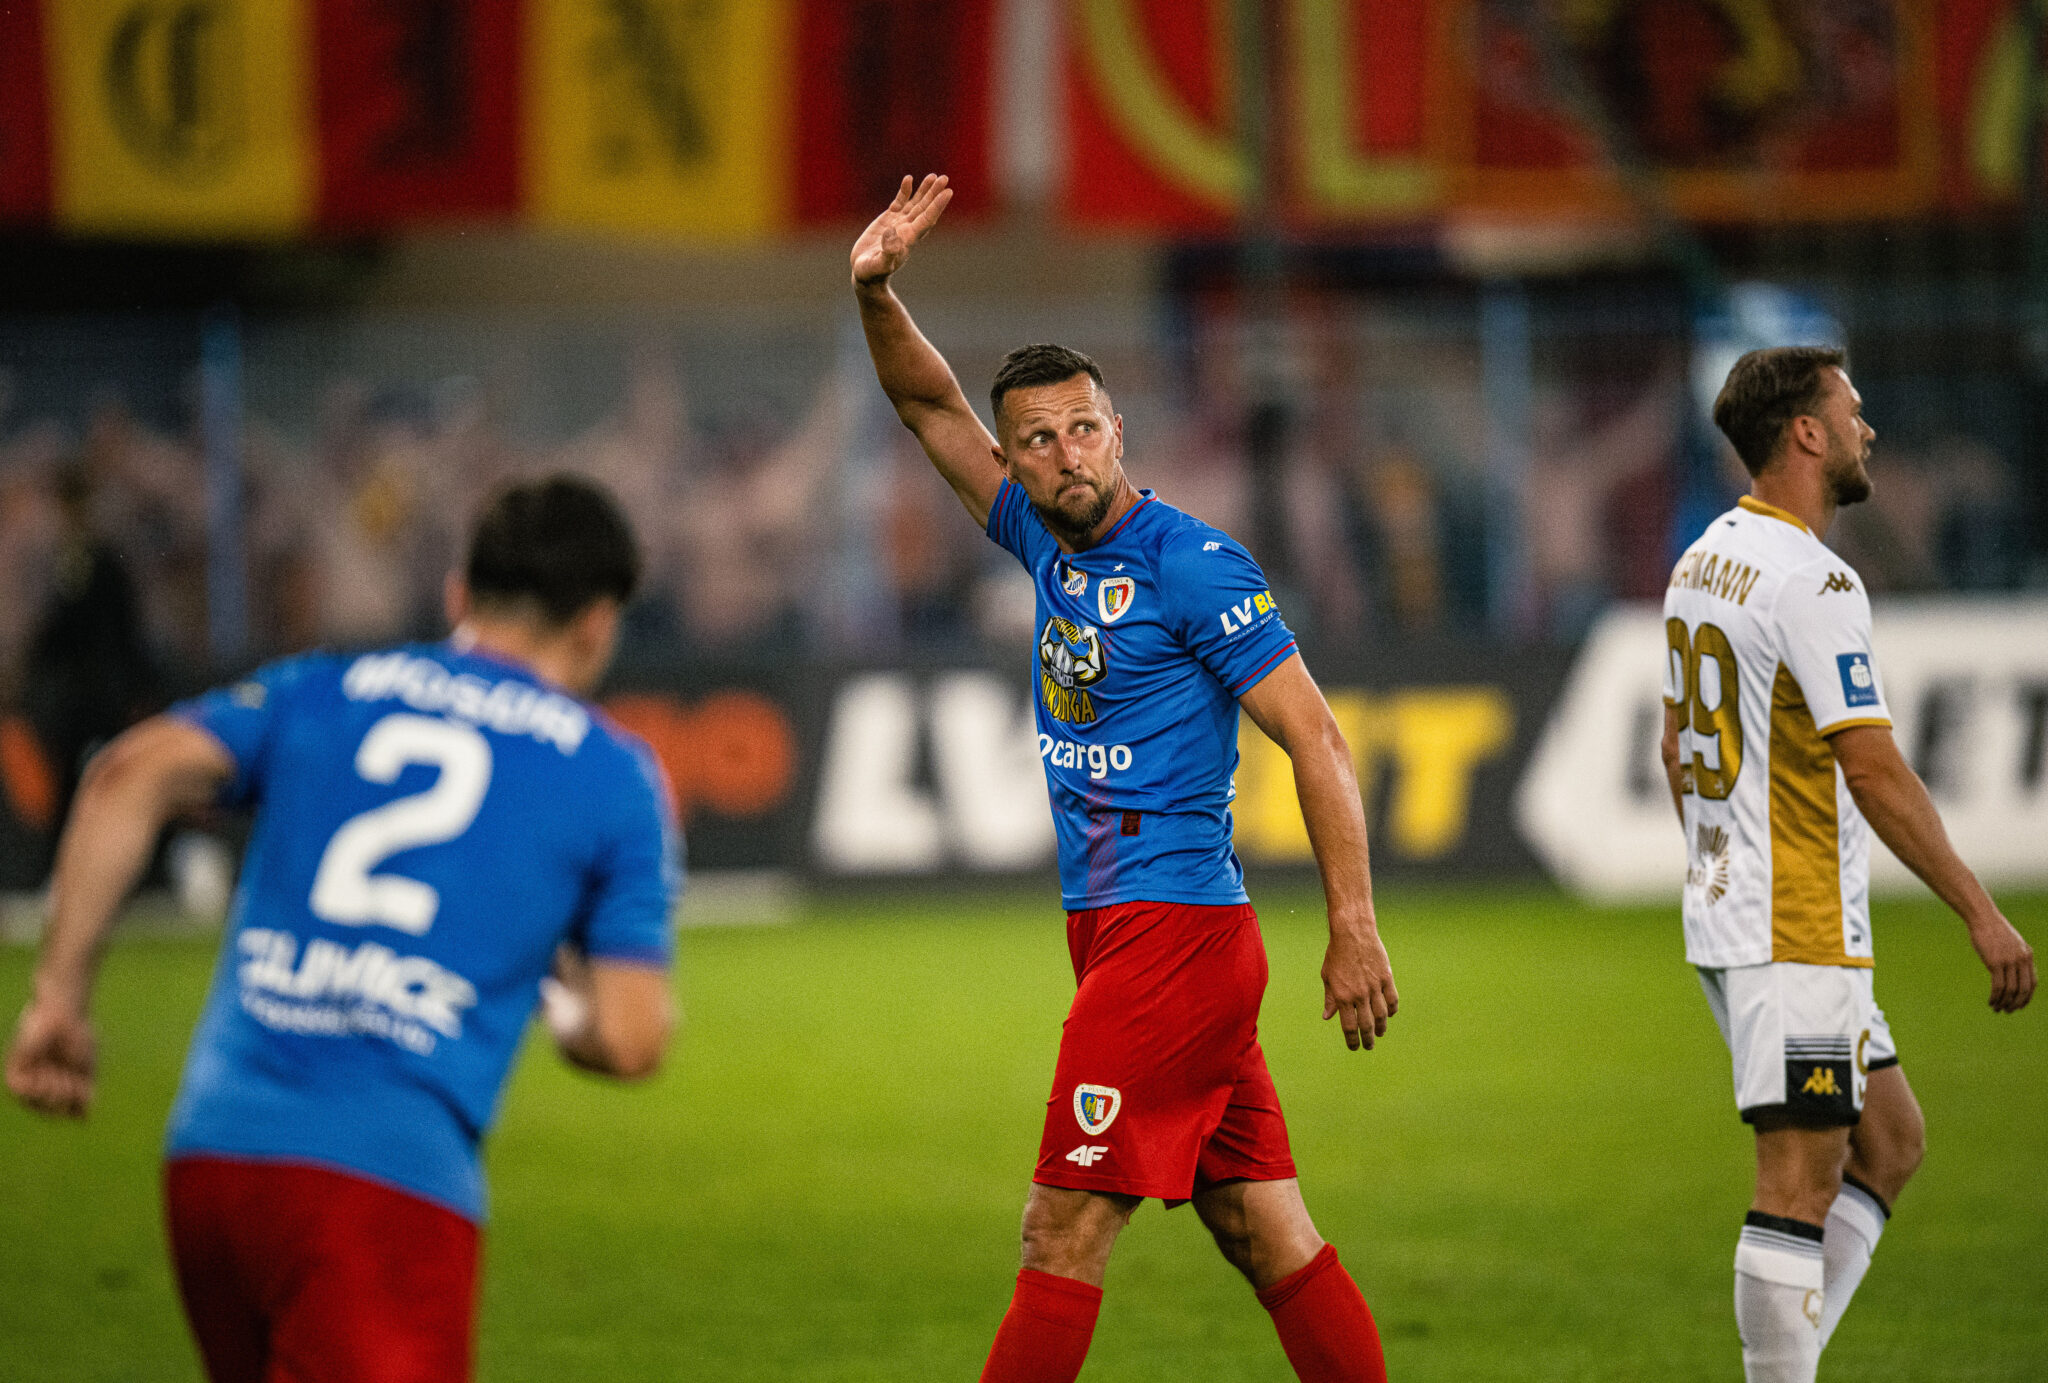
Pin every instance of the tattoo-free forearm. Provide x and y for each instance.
(1327, 786)
(105, 849)
(1895, 803)
(912, 372)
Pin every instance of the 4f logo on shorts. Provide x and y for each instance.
(1087, 1155)
(1095, 1107)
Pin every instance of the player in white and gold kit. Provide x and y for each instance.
(1778, 744)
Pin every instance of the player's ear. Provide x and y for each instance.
(455, 598)
(1002, 462)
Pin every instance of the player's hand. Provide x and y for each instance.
(2010, 960)
(885, 245)
(1358, 984)
(51, 1063)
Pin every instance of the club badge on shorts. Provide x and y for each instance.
(1095, 1107)
(1113, 598)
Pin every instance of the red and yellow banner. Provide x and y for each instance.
(740, 119)
(181, 117)
(659, 116)
(418, 110)
(891, 87)
(24, 117)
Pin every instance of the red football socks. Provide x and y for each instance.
(1324, 1324)
(1045, 1333)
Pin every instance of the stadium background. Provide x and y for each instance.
(1422, 298)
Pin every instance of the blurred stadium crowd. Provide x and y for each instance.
(786, 513)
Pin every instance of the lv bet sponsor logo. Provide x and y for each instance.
(1246, 613)
(1070, 660)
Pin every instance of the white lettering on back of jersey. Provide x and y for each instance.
(327, 987)
(510, 707)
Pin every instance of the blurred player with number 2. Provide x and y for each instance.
(437, 826)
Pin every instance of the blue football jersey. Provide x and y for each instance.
(429, 825)
(1145, 642)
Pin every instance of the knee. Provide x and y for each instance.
(1235, 1243)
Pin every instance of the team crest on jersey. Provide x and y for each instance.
(1095, 1107)
(1113, 598)
(1075, 582)
(1070, 660)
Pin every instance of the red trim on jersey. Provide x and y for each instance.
(1124, 520)
(1255, 678)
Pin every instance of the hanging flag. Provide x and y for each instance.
(891, 87)
(1153, 111)
(418, 110)
(1824, 110)
(1152, 114)
(663, 117)
(24, 117)
(181, 117)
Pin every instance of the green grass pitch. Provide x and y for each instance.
(1538, 1176)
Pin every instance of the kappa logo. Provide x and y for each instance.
(1096, 1106)
(1087, 1155)
(1821, 1082)
(1076, 582)
(1837, 581)
(1113, 598)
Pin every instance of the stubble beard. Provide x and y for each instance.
(1847, 477)
(1074, 527)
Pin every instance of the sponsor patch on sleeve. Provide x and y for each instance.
(1859, 683)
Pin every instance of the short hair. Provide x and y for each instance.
(1766, 390)
(1028, 366)
(556, 545)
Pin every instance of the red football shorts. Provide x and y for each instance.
(298, 1274)
(1161, 1089)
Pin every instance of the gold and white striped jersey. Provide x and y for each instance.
(1769, 654)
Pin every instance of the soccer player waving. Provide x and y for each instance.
(436, 827)
(1153, 629)
(1778, 744)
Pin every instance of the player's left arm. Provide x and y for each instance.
(132, 789)
(608, 1002)
(608, 1018)
(1895, 802)
(1358, 979)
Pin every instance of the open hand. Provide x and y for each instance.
(51, 1063)
(885, 244)
(1358, 985)
(2010, 960)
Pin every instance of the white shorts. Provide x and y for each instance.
(1804, 1039)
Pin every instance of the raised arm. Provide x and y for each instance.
(136, 785)
(914, 375)
(1358, 979)
(1895, 802)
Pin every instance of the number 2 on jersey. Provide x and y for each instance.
(1722, 721)
(344, 889)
